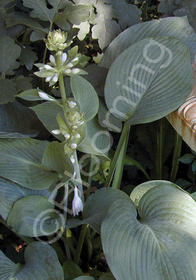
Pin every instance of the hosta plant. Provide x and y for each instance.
(58, 136)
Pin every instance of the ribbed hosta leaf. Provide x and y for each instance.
(55, 159)
(161, 244)
(7, 267)
(47, 113)
(177, 27)
(98, 204)
(20, 161)
(35, 216)
(146, 81)
(17, 121)
(41, 262)
(10, 192)
(86, 96)
(141, 189)
(97, 140)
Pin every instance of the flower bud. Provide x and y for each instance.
(56, 40)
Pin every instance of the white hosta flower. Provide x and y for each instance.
(52, 79)
(66, 135)
(77, 205)
(72, 104)
(77, 136)
(63, 58)
(74, 146)
(72, 159)
(51, 71)
(56, 131)
(45, 96)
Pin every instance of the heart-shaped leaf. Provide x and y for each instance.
(161, 244)
(86, 96)
(145, 82)
(177, 27)
(41, 262)
(98, 204)
(10, 192)
(20, 161)
(35, 216)
(97, 141)
(141, 189)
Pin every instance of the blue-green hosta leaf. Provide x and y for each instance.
(47, 113)
(9, 52)
(30, 95)
(35, 216)
(106, 119)
(20, 161)
(177, 27)
(7, 267)
(145, 82)
(41, 262)
(160, 245)
(86, 96)
(55, 159)
(98, 204)
(141, 189)
(97, 141)
(17, 121)
(8, 91)
(10, 192)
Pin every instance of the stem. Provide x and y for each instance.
(80, 243)
(120, 163)
(89, 178)
(176, 155)
(116, 155)
(159, 154)
(61, 79)
(84, 229)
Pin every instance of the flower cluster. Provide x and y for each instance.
(71, 127)
(52, 70)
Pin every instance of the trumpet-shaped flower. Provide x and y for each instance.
(77, 205)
